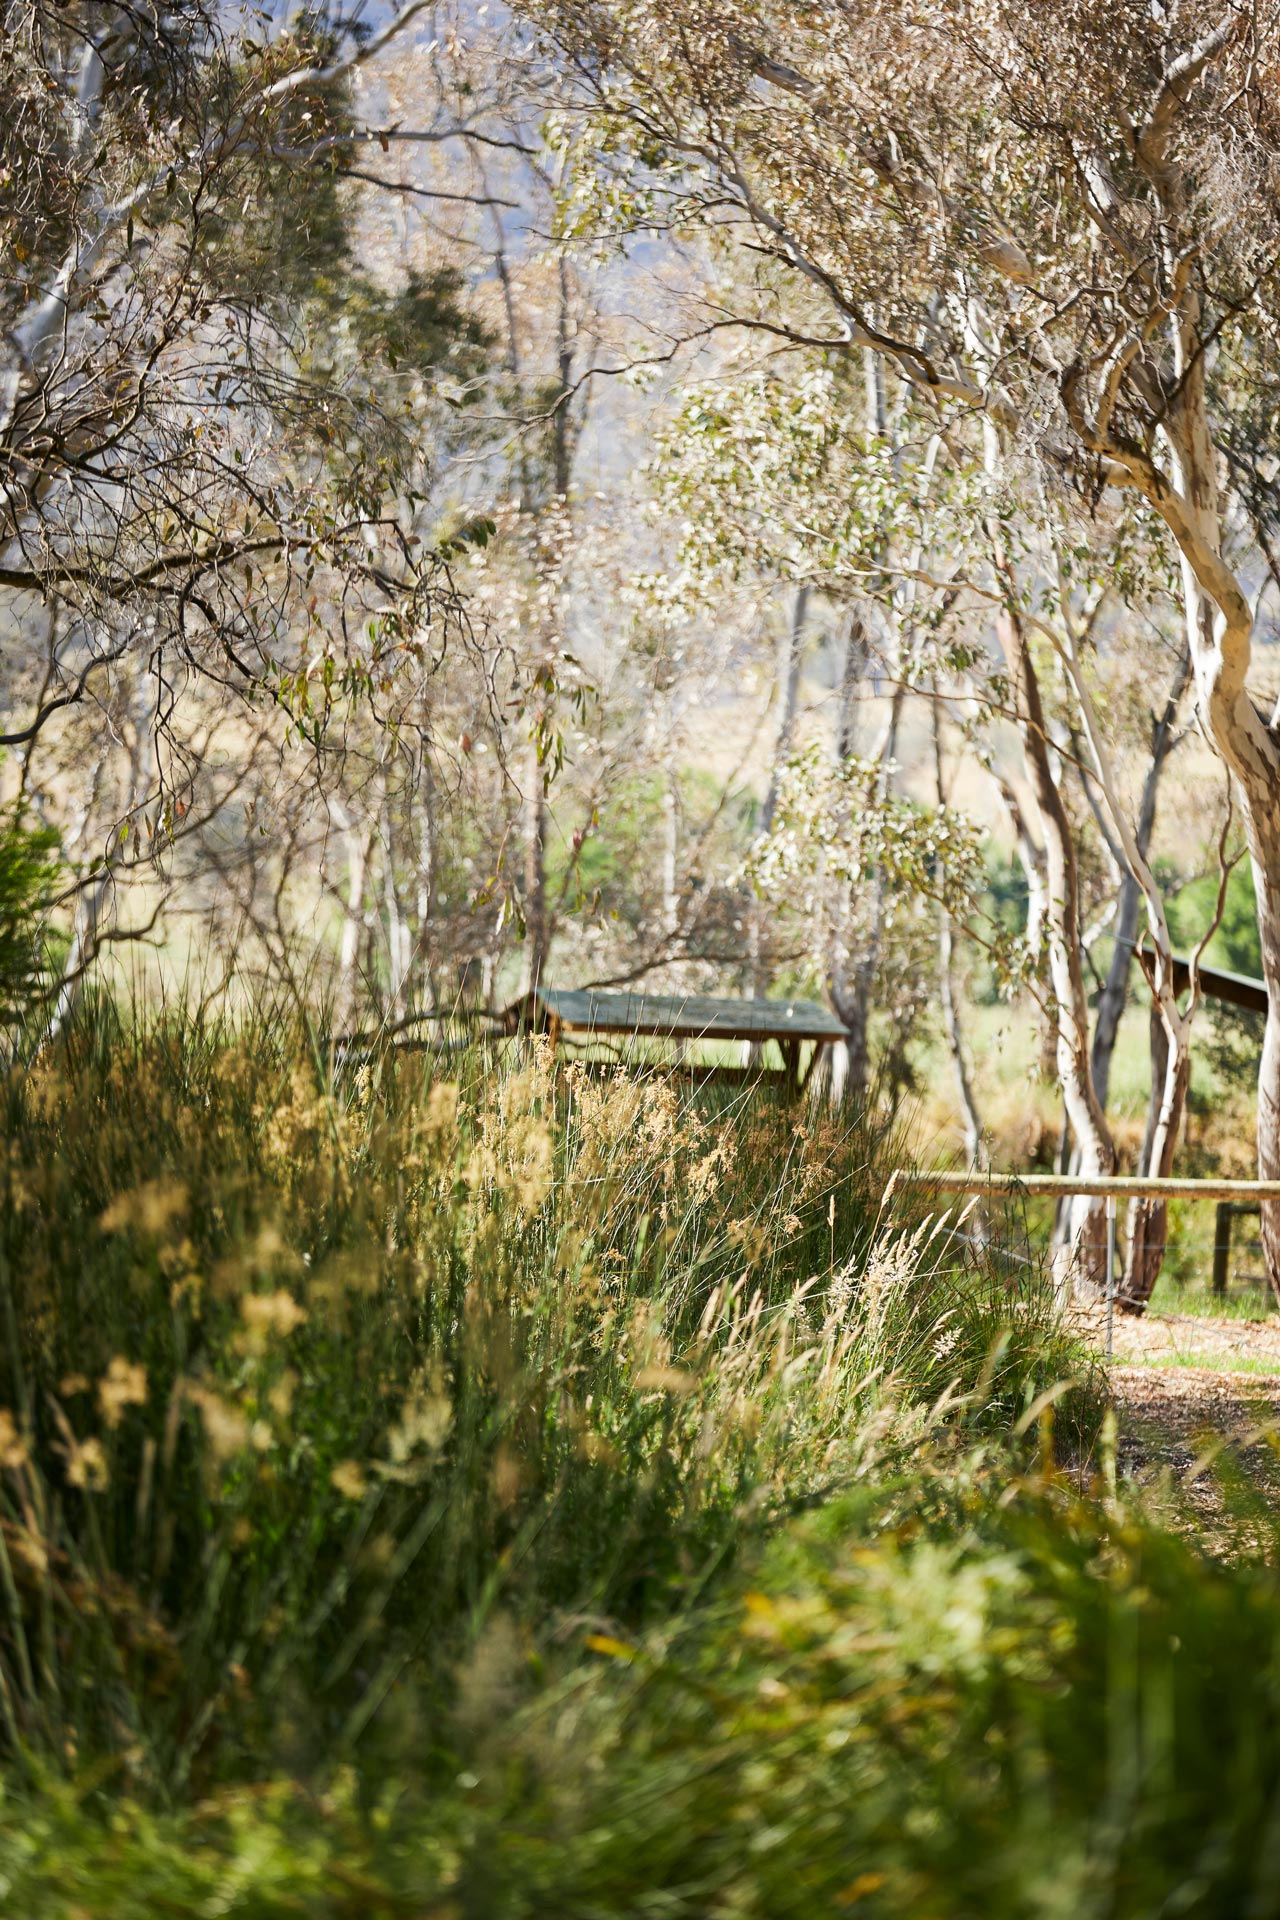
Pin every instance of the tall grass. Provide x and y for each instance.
(463, 1487)
(314, 1374)
(953, 1690)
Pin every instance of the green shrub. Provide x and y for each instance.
(948, 1692)
(1039, 1708)
(27, 875)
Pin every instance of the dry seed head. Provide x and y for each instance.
(13, 1453)
(179, 1261)
(225, 1428)
(508, 1476)
(267, 1253)
(124, 1384)
(30, 1549)
(280, 1397)
(44, 1088)
(87, 1466)
(348, 1478)
(675, 1380)
(530, 1164)
(151, 1208)
(425, 1419)
(265, 1314)
(704, 1178)
(442, 1109)
(352, 1270)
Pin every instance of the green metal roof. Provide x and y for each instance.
(694, 1016)
(1237, 989)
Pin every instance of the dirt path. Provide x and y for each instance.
(1198, 1404)
(1215, 1343)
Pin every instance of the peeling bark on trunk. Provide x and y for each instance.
(535, 874)
(852, 977)
(850, 1057)
(1083, 1258)
(1114, 995)
(790, 681)
(1219, 630)
(1147, 1225)
(1171, 1049)
(1263, 829)
(975, 1151)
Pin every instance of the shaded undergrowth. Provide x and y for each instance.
(309, 1373)
(948, 1691)
(362, 1422)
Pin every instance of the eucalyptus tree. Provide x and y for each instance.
(772, 475)
(1060, 225)
(148, 379)
(204, 488)
(769, 480)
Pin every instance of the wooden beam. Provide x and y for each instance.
(1062, 1185)
(1235, 989)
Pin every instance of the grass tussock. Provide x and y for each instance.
(473, 1488)
(311, 1376)
(950, 1691)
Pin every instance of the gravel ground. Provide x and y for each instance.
(1198, 1406)
(1217, 1344)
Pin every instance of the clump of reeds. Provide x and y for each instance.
(315, 1379)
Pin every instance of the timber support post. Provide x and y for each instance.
(1223, 1215)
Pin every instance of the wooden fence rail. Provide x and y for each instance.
(1233, 1197)
(1103, 1186)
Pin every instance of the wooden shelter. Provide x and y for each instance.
(1236, 989)
(586, 1015)
(1233, 989)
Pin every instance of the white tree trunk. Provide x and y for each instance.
(1171, 1030)
(1219, 623)
(852, 975)
(535, 874)
(1082, 1258)
(425, 900)
(975, 1150)
(357, 840)
(398, 944)
(1114, 995)
(1147, 1224)
(789, 681)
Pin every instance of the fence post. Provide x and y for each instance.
(1224, 1214)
